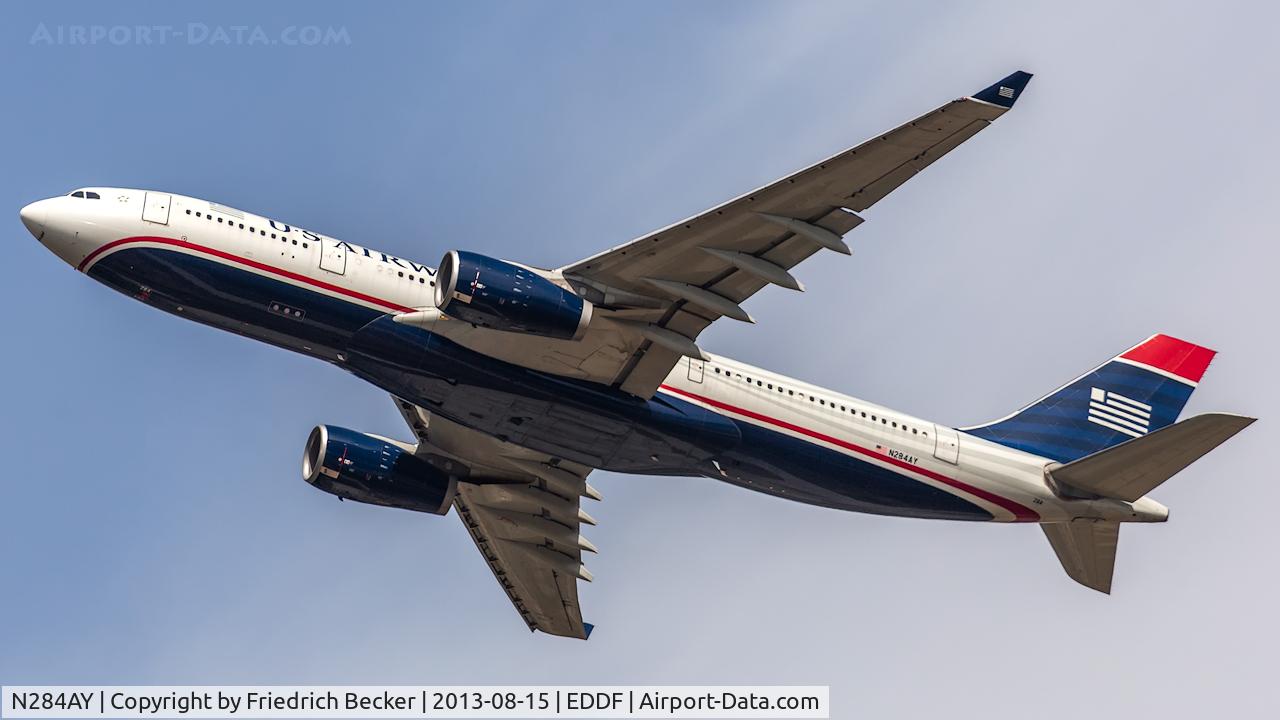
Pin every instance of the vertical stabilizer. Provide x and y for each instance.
(1137, 392)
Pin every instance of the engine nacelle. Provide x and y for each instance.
(369, 469)
(504, 296)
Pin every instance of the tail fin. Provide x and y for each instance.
(1140, 390)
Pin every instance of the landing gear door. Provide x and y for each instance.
(155, 207)
(333, 256)
(946, 444)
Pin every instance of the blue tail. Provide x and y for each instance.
(1138, 391)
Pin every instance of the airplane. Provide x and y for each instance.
(518, 381)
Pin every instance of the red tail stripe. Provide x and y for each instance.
(1174, 356)
(1020, 512)
(243, 261)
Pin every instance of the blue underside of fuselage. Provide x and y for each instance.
(580, 421)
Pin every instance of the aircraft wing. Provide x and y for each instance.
(522, 509)
(669, 285)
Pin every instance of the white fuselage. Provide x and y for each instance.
(1009, 484)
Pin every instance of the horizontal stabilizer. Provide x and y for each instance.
(1132, 469)
(1086, 549)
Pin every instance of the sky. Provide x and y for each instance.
(154, 527)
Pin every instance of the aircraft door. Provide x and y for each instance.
(333, 256)
(155, 207)
(697, 369)
(946, 444)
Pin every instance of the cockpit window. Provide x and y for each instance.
(78, 193)
(89, 194)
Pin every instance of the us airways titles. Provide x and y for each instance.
(352, 247)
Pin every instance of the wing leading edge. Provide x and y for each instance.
(664, 288)
(523, 511)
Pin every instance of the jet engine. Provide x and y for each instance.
(504, 296)
(375, 470)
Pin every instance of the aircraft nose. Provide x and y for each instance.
(33, 217)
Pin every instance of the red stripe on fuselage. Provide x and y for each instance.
(1020, 512)
(246, 262)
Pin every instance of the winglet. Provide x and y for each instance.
(1005, 92)
(587, 628)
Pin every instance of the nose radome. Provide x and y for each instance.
(33, 217)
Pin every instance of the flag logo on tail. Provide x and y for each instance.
(1119, 413)
(1005, 92)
